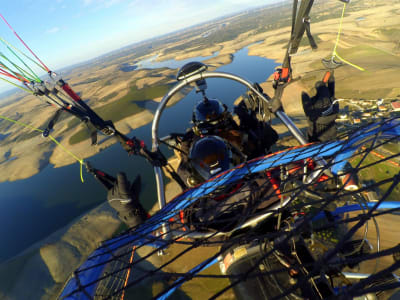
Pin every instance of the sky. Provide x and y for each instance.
(65, 32)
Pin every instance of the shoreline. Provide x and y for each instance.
(56, 256)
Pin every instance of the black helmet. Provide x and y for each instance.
(209, 156)
(208, 115)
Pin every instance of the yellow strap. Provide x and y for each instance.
(81, 161)
(349, 63)
(340, 29)
(334, 52)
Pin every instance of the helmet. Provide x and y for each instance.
(208, 115)
(209, 156)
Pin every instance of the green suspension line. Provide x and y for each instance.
(22, 61)
(24, 73)
(18, 86)
(22, 53)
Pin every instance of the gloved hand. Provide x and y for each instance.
(124, 198)
(320, 111)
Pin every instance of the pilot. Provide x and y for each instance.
(123, 197)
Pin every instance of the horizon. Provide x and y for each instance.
(68, 54)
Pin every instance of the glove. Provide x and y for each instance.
(322, 126)
(124, 199)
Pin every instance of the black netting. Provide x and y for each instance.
(316, 222)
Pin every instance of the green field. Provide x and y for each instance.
(89, 80)
(108, 97)
(392, 147)
(377, 173)
(121, 108)
(373, 83)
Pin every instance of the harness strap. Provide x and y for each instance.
(51, 123)
(300, 24)
(311, 40)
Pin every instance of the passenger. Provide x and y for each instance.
(251, 136)
(210, 117)
(209, 156)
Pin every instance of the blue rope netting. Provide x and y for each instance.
(303, 237)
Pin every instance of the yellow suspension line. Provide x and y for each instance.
(334, 53)
(20, 87)
(81, 161)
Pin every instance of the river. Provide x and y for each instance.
(33, 208)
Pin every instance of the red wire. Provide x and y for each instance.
(128, 273)
(17, 77)
(16, 34)
(5, 73)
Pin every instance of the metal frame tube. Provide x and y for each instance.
(280, 114)
(250, 223)
(155, 125)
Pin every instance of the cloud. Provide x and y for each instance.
(53, 30)
(111, 3)
(101, 3)
(87, 2)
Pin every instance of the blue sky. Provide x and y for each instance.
(64, 32)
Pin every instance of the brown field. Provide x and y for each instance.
(365, 41)
(370, 39)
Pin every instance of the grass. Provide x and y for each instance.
(108, 97)
(282, 41)
(108, 82)
(122, 108)
(89, 80)
(204, 288)
(391, 33)
(392, 147)
(226, 30)
(369, 57)
(367, 94)
(371, 84)
(146, 93)
(377, 173)
(199, 287)
(303, 43)
(73, 123)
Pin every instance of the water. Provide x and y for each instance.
(151, 63)
(3, 136)
(33, 208)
